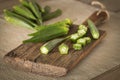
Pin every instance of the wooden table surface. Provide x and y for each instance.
(103, 58)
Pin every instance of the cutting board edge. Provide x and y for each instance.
(31, 67)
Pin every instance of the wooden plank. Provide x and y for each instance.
(27, 57)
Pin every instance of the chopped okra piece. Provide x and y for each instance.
(88, 39)
(77, 46)
(81, 32)
(83, 27)
(63, 48)
(81, 41)
(74, 37)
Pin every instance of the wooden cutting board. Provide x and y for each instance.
(27, 57)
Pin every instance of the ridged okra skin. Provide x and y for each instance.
(51, 15)
(34, 8)
(47, 10)
(48, 33)
(25, 3)
(93, 29)
(12, 15)
(47, 47)
(25, 12)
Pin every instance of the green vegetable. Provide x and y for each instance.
(31, 13)
(51, 15)
(83, 27)
(17, 21)
(21, 10)
(46, 10)
(47, 47)
(15, 16)
(81, 32)
(67, 22)
(74, 37)
(40, 8)
(77, 35)
(93, 29)
(88, 39)
(25, 3)
(48, 33)
(81, 41)
(77, 46)
(63, 48)
(36, 11)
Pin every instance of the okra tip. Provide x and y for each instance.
(68, 21)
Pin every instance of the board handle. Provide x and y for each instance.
(100, 16)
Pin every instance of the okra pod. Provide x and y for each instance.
(47, 47)
(36, 11)
(17, 21)
(63, 22)
(40, 8)
(25, 3)
(93, 29)
(51, 15)
(12, 14)
(21, 10)
(46, 10)
(67, 22)
(48, 33)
